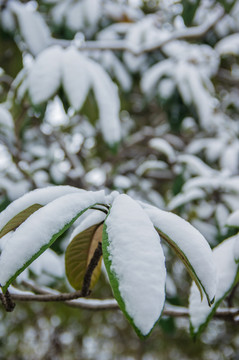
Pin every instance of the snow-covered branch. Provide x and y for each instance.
(73, 300)
(137, 50)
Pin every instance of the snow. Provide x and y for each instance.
(36, 232)
(195, 165)
(151, 165)
(236, 248)
(191, 242)
(164, 147)
(38, 196)
(228, 45)
(137, 261)
(184, 198)
(233, 219)
(227, 269)
(45, 75)
(32, 26)
(76, 78)
(106, 94)
(94, 218)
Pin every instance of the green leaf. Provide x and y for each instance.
(19, 219)
(79, 253)
(40, 231)
(200, 313)
(190, 246)
(189, 11)
(227, 4)
(135, 264)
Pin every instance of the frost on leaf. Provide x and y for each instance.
(134, 261)
(40, 230)
(191, 247)
(227, 271)
(83, 243)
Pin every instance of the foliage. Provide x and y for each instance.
(135, 96)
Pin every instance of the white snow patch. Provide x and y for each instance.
(45, 74)
(223, 256)
(94, 218)
(137, 262)
(39, 228)
(38, 196)
(191, 242)
(76, 78)
(233, 219)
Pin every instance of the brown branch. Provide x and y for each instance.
(91, 267)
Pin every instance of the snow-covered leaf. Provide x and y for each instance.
(228, 45)
(19, 210)
(227, 270)
(134, 261)
(76, 78)
(33, 28)
(40, 230)
(190, 245)
(80, 250)
(45, 75)
(233, 219)
(107, 99)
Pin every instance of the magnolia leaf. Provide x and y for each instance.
(76, 78)
(19, 210)
(227, 270)
(106, 95)
(19, 219)
(191, 247)
(233, 220)
(40, 230)
(135, 264)
(45, 75)
(79, 254)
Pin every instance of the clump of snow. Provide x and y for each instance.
(96, 217)
(191, 242)
(137, 261)
(233, 219)
(223, 256)
(38, 196)
(36, 232)
(32, 26)
(45, 74)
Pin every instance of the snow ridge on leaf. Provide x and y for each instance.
(227, 270)
(40, 230)
(19, 210)
(134, 261)
(190, 245)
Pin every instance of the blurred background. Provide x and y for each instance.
(136, 96)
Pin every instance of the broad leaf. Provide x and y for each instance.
(233, 220)
(134, 261)
(76, 77)
(45, 75)
(80, 251)
(191, 247)
(19, 210)
(40, 230)
(227, 269)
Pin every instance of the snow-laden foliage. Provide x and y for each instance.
(136, 266)
(135, 96)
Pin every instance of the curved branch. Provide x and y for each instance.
(123, 45)
(73, 300)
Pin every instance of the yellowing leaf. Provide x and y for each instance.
(79, 254)
(19, 219)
